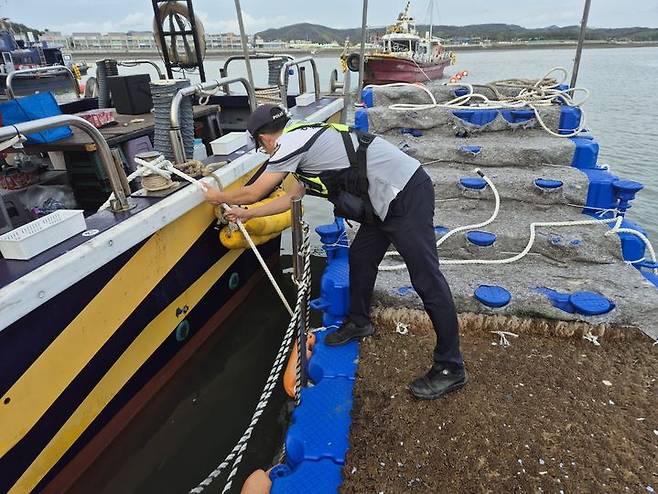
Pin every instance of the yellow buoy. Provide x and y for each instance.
(260, 229)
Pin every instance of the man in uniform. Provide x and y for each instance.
(371, 181)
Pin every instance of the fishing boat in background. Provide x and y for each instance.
(404, 55)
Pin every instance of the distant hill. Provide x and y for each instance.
(496, 32)
(19, 28)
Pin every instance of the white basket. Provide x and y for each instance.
(32, 239)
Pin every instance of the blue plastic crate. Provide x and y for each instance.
(320, 426)
(586, 153)
(33, 107)
(333, 361)
(367, 97)
(361, 119)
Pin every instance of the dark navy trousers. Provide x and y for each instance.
(409, 226)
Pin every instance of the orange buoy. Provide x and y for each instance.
(453, 80)
(290, 375)
(257, 483)
(465, 73)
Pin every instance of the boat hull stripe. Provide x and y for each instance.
(130, 361)
(32, 394)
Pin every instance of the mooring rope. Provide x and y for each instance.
(617, 220)
(543, 93)
(234, 458)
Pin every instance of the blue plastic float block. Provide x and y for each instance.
(368, 97)
(317, 477)
(473, 183)
(321, 424)
(585, 303)
(403, 291)
(600, 193)
(547, 183)
(361, 119)
(413, 132)
(569, 119)
(333, 361)
(493, 296)
(653, 278)
(632, 247)
(559, 300)
(460, 91)
(590, 303)
(440, 230)
(481, 239)
(469, 150)
(331, 233)
(586, 153)
(476, 117)
(334, 298)
(517, 116)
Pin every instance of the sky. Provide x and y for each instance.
(219, 15)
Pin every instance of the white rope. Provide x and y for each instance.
(235, 456)
(541, 94)
(262, 262)
(617, 229)
(533, 227)
(449, 234)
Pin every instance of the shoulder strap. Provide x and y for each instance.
(305, 147)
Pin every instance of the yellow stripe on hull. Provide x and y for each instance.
(118, 375)
(36, 390)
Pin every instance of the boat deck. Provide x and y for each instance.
(150, 213)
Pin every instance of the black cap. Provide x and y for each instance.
(263, 115)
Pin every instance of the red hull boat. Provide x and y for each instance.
(384, 70)
(403, 55)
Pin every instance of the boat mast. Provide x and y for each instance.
(362, 56)
(581, 40)
(431, 16)
(245, 47)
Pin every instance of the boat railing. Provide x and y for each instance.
(223, 71)
(113, 170)
(202, 89)
(135, 63)
(52, 69)
(284, 77)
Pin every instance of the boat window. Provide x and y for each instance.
(398, 46)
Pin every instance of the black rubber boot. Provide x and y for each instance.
(348, 332)
(437, 382)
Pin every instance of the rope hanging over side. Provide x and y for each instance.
(234, 458)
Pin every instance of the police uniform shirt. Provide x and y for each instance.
(307, 151)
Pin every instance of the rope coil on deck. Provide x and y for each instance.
(234, 458)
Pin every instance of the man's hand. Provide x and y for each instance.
(212, 194)
(236, 213)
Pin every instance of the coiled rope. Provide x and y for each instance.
(543, 93)
(234, 458)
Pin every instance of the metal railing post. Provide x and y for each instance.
(298, 273)
(284, 77)
(301, 75)
(174, 117)
(581, 40)
(52, 69)
(362, 51)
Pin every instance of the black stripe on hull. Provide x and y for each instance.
(203, 254)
